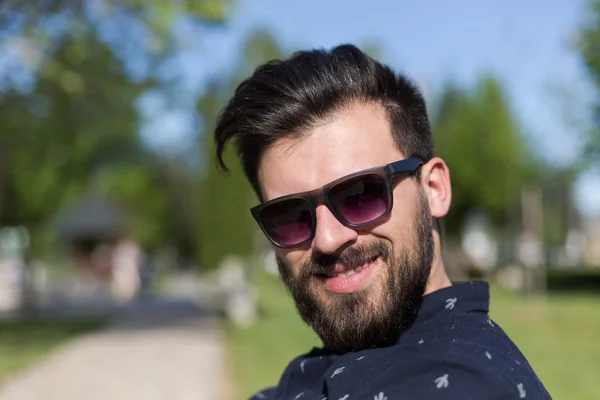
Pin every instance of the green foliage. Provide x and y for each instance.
(477, 135)
(77, 129)
(80, 116)
(157, 17)
(138, 192)
(589, 49)
(589, 43)
(227, 226)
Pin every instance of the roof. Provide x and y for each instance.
(94, 217)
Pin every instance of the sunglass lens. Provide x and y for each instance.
(360, 200)
(288, 222)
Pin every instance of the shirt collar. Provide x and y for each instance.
(462, 297)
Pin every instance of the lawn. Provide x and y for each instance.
(258, 355)
(24, 342)
(558, 334)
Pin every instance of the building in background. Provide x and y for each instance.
(96, 232)
(591, 229)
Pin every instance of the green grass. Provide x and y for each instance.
(23, 342)
(558, 334)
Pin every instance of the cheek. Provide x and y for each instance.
(292, 260)
(399, 227)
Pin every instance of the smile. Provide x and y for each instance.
(349, 272)
(344, 280)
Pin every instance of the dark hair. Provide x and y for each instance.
(284, 98)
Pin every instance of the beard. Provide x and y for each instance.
(374, 317)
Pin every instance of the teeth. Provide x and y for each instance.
(352, 271)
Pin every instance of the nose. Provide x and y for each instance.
(330, 235)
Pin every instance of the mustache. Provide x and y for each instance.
(322, 264)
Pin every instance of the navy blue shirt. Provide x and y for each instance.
(452, 351)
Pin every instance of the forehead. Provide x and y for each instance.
(355, 138)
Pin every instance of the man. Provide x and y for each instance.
(339, 151)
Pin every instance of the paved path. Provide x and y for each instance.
(168, 349)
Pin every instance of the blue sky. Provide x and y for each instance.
(527, 45)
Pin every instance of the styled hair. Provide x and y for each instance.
(286, 98)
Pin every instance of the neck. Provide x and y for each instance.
(438, 278)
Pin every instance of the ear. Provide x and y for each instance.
(435, 179)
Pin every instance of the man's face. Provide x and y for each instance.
(389, 262)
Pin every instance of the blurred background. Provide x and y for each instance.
(115, 221)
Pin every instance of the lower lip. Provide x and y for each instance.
(352, 283)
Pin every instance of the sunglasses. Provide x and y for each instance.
(356, 200)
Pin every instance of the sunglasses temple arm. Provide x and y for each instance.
(408, 165)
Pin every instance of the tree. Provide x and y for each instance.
(479, 138)
(80, 115)
(589, 51)
(227, 226)
(76, 128)
(156, 17)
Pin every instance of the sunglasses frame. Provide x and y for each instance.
(321, 196)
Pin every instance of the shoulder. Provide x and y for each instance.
(457, 374)
(451, 380)
(470, 334)
(437, 373)
(470, 357)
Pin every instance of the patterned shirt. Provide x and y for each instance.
(453, 351)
